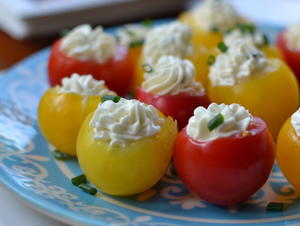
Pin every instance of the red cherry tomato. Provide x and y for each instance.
(117, 71)
(226, 170)
(180, 106)
(291, 57)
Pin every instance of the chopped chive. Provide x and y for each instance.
(59, 155)
(215, 122)
(147, 68)
(115, 99)
(129, 32)
(276, 206)
(88, 189)
(214, 29)
(228, 31)
(148, 23)
(222, 47)
(211, 60)
(266, 39)
(246, 28)
(64, 32)
(136, 44)
(81, 179)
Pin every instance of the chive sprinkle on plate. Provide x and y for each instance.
(88, 189)
(276, 206)
(211, 60)
(81, 179)
(147, 68)
(59, 155)
(215, 122)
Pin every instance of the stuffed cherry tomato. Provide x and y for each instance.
(224, 155)
(289, 44)
(243, 75)
(170, 86)
(209, 19)
(132, 36)
(62, 109)
(173, 39)
(288, 149)
(88, 51)
(129, 151)
(250, 34)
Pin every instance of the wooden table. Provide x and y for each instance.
(12, 51)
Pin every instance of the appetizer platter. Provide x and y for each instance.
(167, 122)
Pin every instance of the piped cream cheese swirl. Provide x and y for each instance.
(240, 61)
(132, 33)
(124, 122)
(86, 43)
(292, 36)
(295, 121)
(84, 85)
(215, 14)
(167, 39)
(236, 119)
(172, 75)
(256, 38)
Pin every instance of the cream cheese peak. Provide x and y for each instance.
(167, 39)
(172, 75)
(295, 121)
(292, 36)
(84, 85)
(124, 122)
(132, 33)
(236, 119)
(240, 61)
(215, 14)
(85, 43)
(256, 38)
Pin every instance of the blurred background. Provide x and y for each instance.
(29, 25)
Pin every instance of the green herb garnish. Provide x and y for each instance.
(228, 31)
(136, 44)
(246, 28)
(64, 32)
(211, 60)
(59, 155)
(147, 68)
(129, 32)
(88, 189)
(276, 206)
(148, 23)
(81, 179)
(222, 47)
(215, 122)
(110, 97)
(266, 40)
(214, 29)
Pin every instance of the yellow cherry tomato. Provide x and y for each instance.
(135, 54)
(60, 116)
(272, 96)
(288, 153)
(200, 37)
(271, 51)
(125, 170)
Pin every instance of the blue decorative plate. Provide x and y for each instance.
(28, 169)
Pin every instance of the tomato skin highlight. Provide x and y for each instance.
(117, 72)
(227, 170)
(292, 58)
(180, 106)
